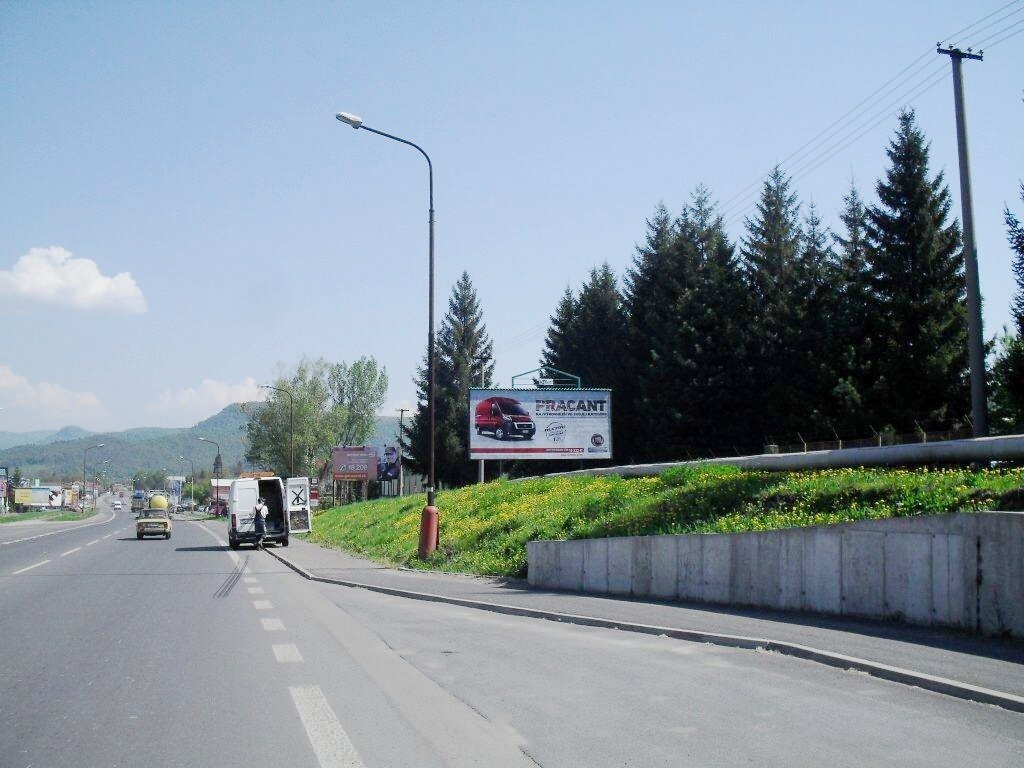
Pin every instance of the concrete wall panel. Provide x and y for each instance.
(863, 573)
(640, 583)
(823, 571)
(908, 576)
(665, 566)
(595, 566)
(691, 567)
(716, 560)
(620, 566)
(570, 565)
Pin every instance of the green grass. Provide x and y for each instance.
(484, 528)
(45, 515)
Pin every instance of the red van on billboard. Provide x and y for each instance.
(504, 418)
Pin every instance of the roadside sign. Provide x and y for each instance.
(354, 463)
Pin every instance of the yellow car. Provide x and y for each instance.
(154, 521)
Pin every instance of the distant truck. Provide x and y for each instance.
(138, 501)
(287, 504)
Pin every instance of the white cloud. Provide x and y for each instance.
(46, 404)
(54, 276)
(209, 397)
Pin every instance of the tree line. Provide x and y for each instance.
(715, 347)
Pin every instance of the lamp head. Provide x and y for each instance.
(348, 119)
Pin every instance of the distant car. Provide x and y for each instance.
(117, 505)
(155, 521)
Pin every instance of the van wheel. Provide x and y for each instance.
(138, 536)
(232, 543)
(284, 542)
(167, 535)
(499, 433)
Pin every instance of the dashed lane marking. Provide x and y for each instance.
(15, 573)
(62, 530)
(330, 742)
(94, 541)
(70, 551)
(262, 605)
(255, 590)
(250, 580)
(287, 653)
(272, 625)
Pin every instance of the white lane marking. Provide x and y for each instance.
(255, 590)
(70, 551)
(287, 653)
(62, 530)
(262, 605)
(250, 580)
(15, 573)
(94, 541)
(330, 742)
(107, 536)
(272, 625)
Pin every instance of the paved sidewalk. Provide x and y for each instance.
(997, 666)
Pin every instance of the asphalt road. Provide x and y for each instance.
(118, 652)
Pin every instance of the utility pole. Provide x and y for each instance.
(483, 360)
(975, 334)
(401, 421)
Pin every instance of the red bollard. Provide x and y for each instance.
(429, 535)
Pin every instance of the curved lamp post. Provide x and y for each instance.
(291, 425)
(85, 457)
(429, 519)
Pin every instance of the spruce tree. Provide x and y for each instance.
(1007, 405)
(587, 338)
(772, 265)
(461, 343)
(919, 355)
(711, 355)
(648, 293)
(850, 331)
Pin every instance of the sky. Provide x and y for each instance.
(182, 217)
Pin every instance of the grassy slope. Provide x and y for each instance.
(484, 529)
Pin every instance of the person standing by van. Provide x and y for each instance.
(259, 521)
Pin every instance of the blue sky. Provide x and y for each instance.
(180, 213)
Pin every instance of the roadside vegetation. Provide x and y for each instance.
(484, 528)
(45, 516)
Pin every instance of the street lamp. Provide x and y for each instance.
(192, 486)
(291, 426)
(428, 521)
(217, 466)
(85, 457)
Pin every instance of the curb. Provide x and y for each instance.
(941, 685)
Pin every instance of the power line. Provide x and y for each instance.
(997, 42)
(737, 206)
(997, 21)
(999, 32)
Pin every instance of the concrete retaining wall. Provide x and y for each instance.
(963, 570)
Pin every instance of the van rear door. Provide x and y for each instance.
(242, 503)
(299, 518)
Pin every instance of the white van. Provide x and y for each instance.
(287, 509)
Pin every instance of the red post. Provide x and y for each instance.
(429, 535)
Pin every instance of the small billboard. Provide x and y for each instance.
(540, 424)
(354, 463)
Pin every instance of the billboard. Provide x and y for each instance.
(540, 424)
(354, 463)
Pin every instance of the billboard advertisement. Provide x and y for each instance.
(540, 424)
(354, 463)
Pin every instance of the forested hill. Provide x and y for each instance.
(53, 456)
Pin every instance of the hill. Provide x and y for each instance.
(50, 457)
(58, 454)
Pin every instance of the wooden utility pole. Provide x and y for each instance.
(975, 333)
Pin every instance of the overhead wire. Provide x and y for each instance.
(842, 133)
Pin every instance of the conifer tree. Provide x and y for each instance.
(918, 289)
(772, 265)
(850, 332)
(461, 343)
(1008, 371)
(587, 338)
(647, 294)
